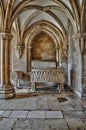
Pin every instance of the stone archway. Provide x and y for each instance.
(47, 29)
(43, 47)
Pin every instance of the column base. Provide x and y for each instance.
(7, 91)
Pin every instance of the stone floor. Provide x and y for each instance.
(55, 111)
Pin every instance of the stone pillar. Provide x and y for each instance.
(83, 40)
(57, 56)
(60, 61)
(83, 52)
(77, 65)
(2, 61)
(82, 44)
(6, 86)
(29, 58)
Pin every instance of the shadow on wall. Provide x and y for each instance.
(73, 77)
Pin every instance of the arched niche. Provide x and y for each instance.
(50, 32)
(43, 47)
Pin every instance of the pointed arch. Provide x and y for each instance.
(1, 16)
(51, 14)
(43, 25)
(22, 6)
(76, 13)
(83, 16)
(8, 13)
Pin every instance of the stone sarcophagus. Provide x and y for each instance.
(56, 75)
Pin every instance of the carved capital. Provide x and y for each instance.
(19, 48)
(79, 36)
(5, 36)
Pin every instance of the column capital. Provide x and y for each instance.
(79, 36)
(5, 35)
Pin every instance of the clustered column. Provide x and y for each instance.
(6, 86)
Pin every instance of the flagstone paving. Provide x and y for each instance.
(62, 111)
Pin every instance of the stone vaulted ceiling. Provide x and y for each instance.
(23, 14)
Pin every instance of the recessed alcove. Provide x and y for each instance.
(43, 48)
(43, 54)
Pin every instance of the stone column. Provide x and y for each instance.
(82, 44)
(29, 58)
(60, 62)
(2, 61)
(83, 39)
(6, 86)
(77, 64)
(57, 56)
(83, 52)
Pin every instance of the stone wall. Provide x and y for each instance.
(0, 63)
(77, 65)
(43, 45)
(84, 71)
(43, 48)
(70, 54)
(74, 64)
